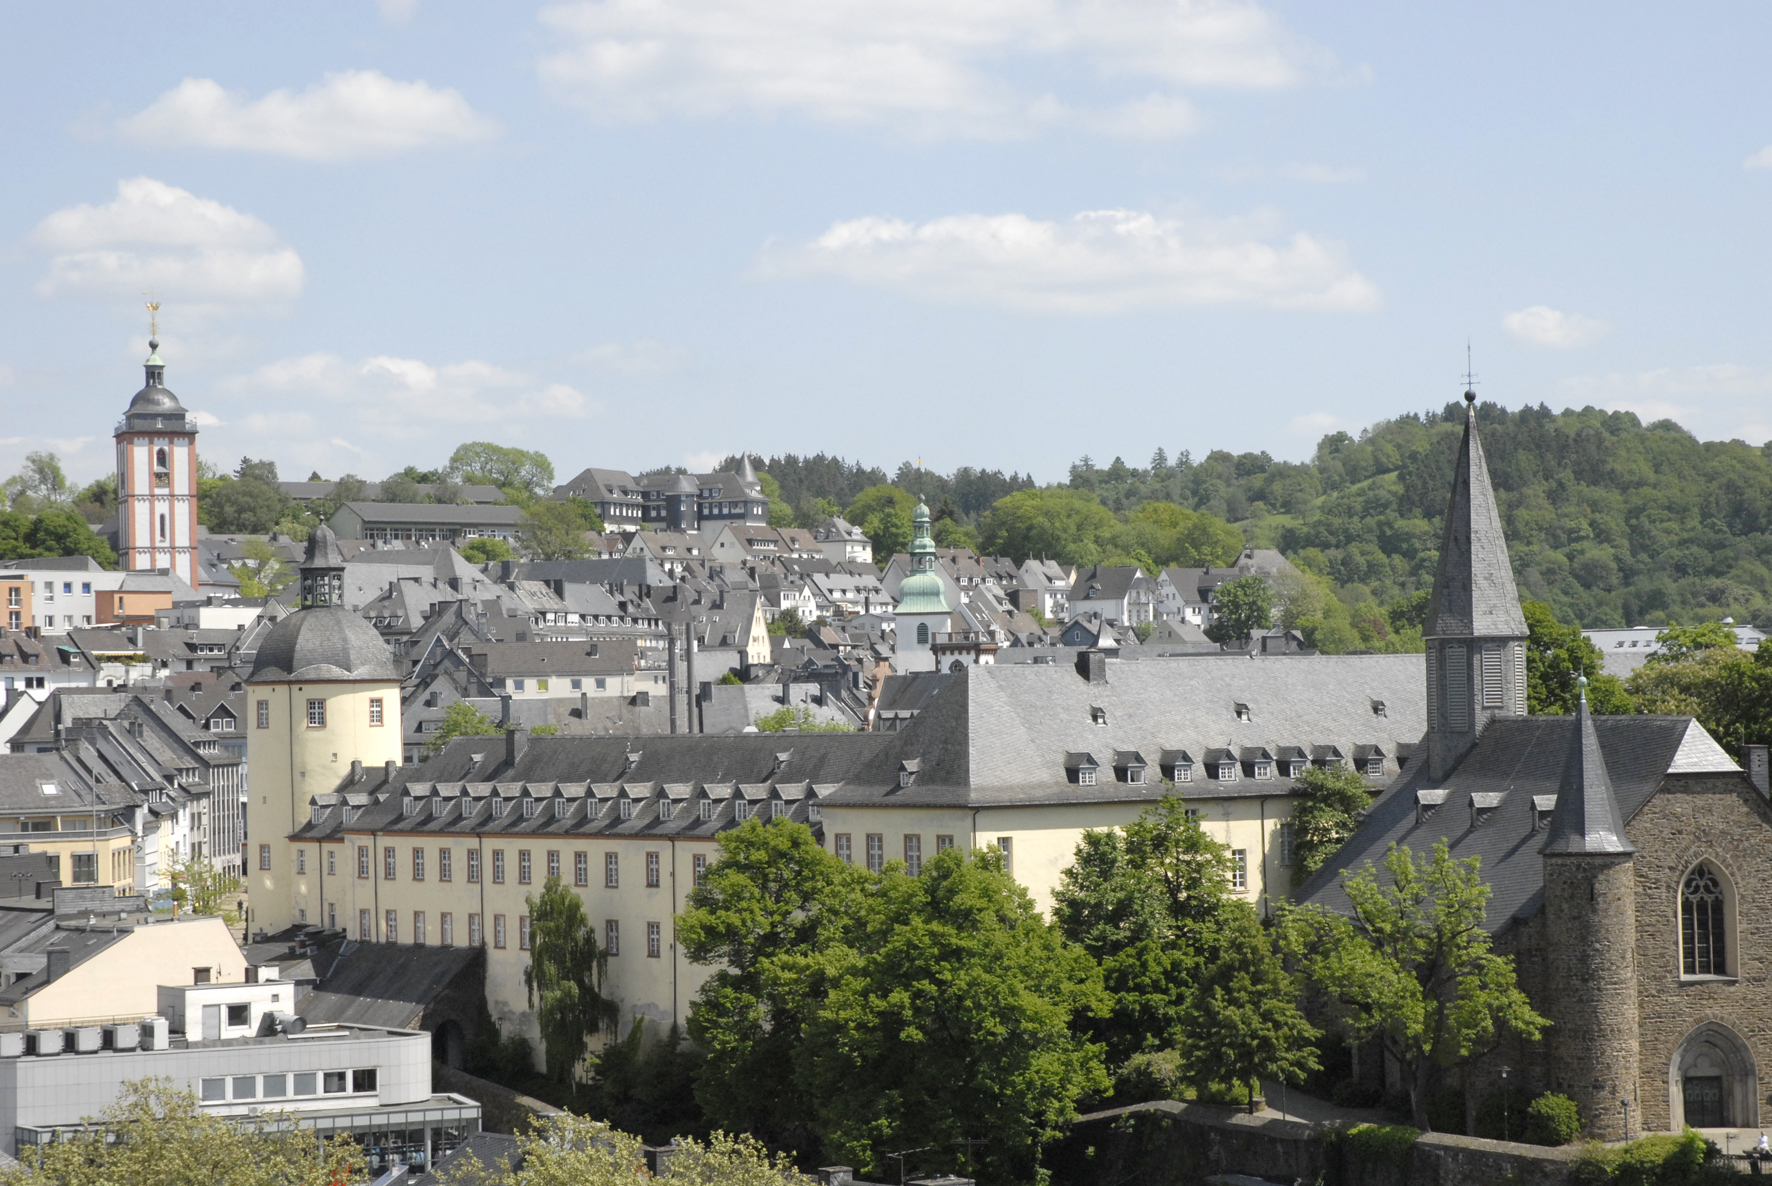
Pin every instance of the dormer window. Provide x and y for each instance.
(409, 807)
(908, 770)
(1129, 766)
(530, 807)
(1263, 770)
(1243, 712)
(439, 807)
(1543, 806)
(1375, 766)
(498, 808)
(741, 810)
(707, 809)
(625, 809)
(560, 808)
(1098, 715)
(1378, 709)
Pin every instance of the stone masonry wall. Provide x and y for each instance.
(1722, 818)
(1590, 980)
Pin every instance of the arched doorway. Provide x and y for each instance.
(447, 1046)
(1712, 1082)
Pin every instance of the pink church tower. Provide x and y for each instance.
(157, 477)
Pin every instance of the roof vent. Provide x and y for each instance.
(1242, 711)
(1097, 715)
(1543, 807)
(1426, 802)
(1378, 709)
(1482, 803)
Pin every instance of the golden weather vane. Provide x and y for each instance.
(153, 315)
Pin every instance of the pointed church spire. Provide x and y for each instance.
(1587, 819)
(1474, 594)
(747, 474)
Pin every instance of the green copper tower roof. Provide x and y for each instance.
(922, 591)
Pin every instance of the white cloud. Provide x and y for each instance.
(1759, 160)
(1542, 325)
(354, 113)
(207, 419)
(406, 397)
(644, 356)
(703, 463)
(193, 251)
(1104, 261)
(1323, 174)
(1716, 402)
(928, 66)
(397, 12)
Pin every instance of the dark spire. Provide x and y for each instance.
(747, 474)
(1587, 819)
(322, 570)
(1474, 594)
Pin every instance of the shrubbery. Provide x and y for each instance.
(1661, 1160)
(1552, 1119)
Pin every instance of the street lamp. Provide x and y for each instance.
(1625, 1104)
(1504, 1118)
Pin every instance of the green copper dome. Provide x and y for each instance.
(923, 591)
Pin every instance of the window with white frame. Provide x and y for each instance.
(1239, 869)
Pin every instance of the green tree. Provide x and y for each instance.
(884, 515)
(565, 978)
(1147, 902)
(951, 533)
(201, 888)
(1070, 526)
(1331, 801)
(486, 549)
(780, 513)
(1240, 609)
(460, 719)
(646, 1085)
(1412, 967)
(261, 570)
(552, 531)
(38, 485)
(763, 919)
(1558, 655)
(1242, 1023)
(1684, 642)
(787, 624)
(571, 1150)
(168, 1139)
(1174, 535)
(400, 488)
(1729, 691)
(797, 718)
(54, 532)
(524, 472)
(98, 501)
(242, 506)
(258, 471)
(948, 1018)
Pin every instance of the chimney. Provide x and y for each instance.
(390, 768)
(59, 961)
(516, 740)
(1092, 665)
(1753, 759)
(356, 770)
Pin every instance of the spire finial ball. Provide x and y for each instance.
(1470, 396)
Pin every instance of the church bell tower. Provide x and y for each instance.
(1475, 632)
(157, 477)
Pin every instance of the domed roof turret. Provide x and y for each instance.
(324, 640)
(923, 591)
(154, 406)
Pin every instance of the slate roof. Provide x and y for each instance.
(323, 643)
(1520, 759)
(1104, 582)
(1474, 594)
(385, 985)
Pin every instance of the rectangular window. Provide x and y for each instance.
(654, 940)
(844, 849)
(1263, 770)
(264, 859)
(498, 931)
(335, 1082)
(239, 1015)
(418, 927)
(446, 929)
(1288, 843)
(245, 1087)
(554, 861)
(316, 714)
(418, 864)
(612, 936)
(523, 932)
(306, 1083)
(1375, 766)
(363, 1080)
(876, 852)
(523, 867)
(498, 866)
(516, 685)
(578, 685)
(362, 860)
(652, 870)
(1492, 676)
(301, 860)
(213, 1091)
(1086, 777)
(474, 936)
(445, 864)
(541, 685)
(365, 929)
(375, 712)
(611, 870)
(913, 855)
(943, 843)
(276, 1086)
(1458, 688)
(1006, 846)
(331, 863)
(264, 714)
(392, 923)
(1239, 869)
(473, 864)
(706, 809)
(700, 866)
(581, 868)
(389, 864)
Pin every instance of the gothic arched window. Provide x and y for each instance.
(1703, 924)
(160, 459)
(923, 634)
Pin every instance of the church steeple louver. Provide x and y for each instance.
(1475, 632)
(1587, 819)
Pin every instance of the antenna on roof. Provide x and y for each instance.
(1470, 375)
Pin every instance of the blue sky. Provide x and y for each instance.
(1006, 233)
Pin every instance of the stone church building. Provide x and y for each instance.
(1629, 859)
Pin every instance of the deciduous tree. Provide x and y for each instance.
(1412, 966)
(565, 978)
(525, 472)
(1558, 655)
(1326, 814)
(1241, 608)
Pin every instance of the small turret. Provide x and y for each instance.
(322, 570)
